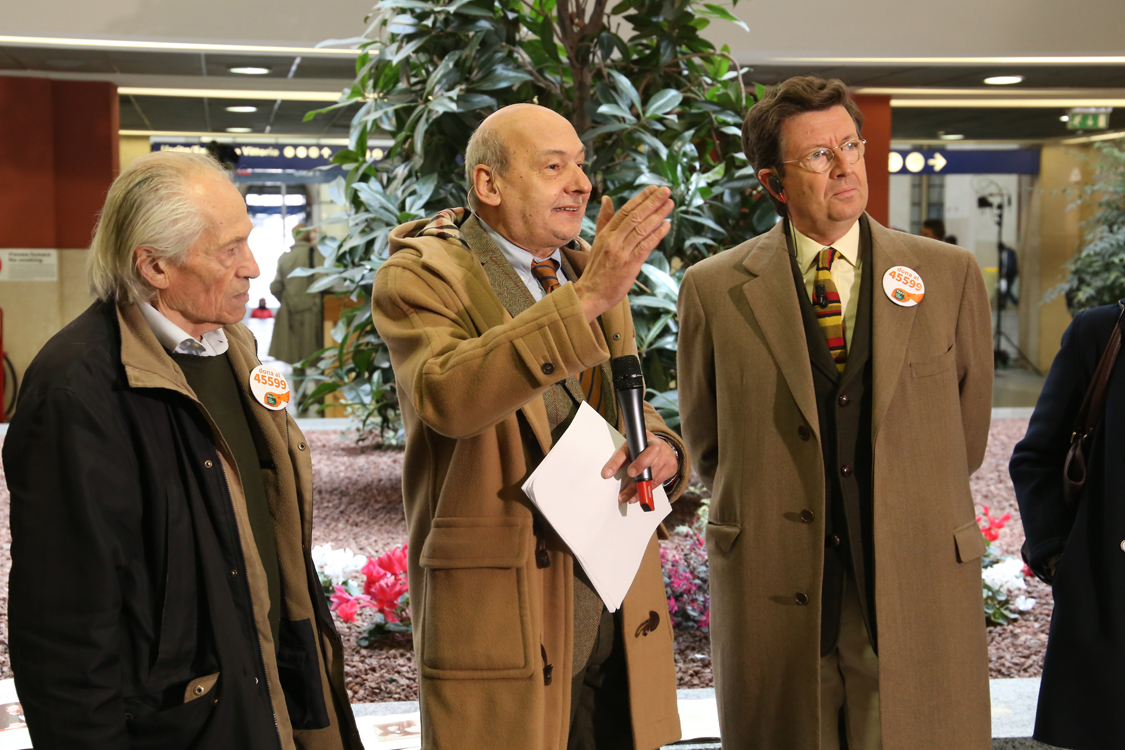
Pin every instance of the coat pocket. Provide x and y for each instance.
(178, 727)
(298, 669)
(722, 536)
(969, 541)
(476, 616)
(924, 368)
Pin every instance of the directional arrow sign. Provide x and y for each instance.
(937, 162)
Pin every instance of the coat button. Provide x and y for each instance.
(1123, 545)
(234, 574)
(617, 337)
(807, 516)
(843, 401)
(804, 432)
(846, 470)
(831, 541)
(547, 368)
(300, 446)
(801, 598)
(199, 690)
(208, 463)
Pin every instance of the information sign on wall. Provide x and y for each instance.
(29, 265)
(289, 156)
(997, 161)
(1088, 118)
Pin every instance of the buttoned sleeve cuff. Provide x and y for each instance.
(567, 344)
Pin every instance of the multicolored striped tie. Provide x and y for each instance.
(546, 273)
(829, 313)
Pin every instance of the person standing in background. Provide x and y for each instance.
(298, 330)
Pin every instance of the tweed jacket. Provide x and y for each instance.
(750, 420)
(493, 628)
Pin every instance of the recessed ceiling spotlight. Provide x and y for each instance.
(250, 71)
(951, 136)
(241, 109)
(240, 130)
(1064, 118)
(1003, 80)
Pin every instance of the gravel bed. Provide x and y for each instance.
(358, 504)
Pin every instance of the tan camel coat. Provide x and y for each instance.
(747, 402)
(489, 624)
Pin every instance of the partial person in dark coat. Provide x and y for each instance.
(1079, 696)
(162, 593)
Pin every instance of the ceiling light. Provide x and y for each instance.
(1064, 118)
(240, 130)
(131, 44)
(951, 136)
(1003, 80)
(254, 71)
(244, 94)
(241, 109)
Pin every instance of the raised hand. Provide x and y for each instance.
(622, 244)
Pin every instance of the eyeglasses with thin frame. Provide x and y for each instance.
(821, 159)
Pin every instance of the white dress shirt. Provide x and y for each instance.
(177, 340)
(521, 261)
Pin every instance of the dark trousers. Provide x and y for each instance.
(599, 694)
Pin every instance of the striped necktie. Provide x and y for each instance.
(546, 273)
(829, 313)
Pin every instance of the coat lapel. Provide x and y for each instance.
(514, 297)
(891, 324)
(772, 297)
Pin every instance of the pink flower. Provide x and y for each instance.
(386, 594)
(991, 529)
(672, 606)
(373, 574)
(345, 605)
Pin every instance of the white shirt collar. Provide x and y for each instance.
(176, 340)
(808, 248)
(521, 260)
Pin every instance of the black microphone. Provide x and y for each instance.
(630, 387)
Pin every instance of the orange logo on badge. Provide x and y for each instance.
(269, 387)
(903, 286)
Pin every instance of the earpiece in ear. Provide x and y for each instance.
(776, 186)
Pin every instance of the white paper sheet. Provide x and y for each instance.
(397, 732)
(608, 538)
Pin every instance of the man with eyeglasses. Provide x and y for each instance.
(835, 383)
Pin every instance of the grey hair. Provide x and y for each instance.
(148, 205)
(485, 147)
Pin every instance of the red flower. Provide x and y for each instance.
(394, 561)
(345, 605)
(373, 573)
(386, 594)
(991, 529)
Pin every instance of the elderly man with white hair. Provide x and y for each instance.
(162, 594)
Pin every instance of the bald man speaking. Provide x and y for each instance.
(500, 322)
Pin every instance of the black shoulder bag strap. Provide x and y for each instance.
(1089, 415)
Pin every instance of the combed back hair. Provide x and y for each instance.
(761, 131)
(485, 147)
(148, 205)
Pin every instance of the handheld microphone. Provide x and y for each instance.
(630, 387)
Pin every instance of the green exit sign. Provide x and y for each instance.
(1088, 121)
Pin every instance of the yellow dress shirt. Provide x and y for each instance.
(845, 275)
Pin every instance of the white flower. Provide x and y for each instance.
(1005, 576)
(336, 565)
(1024, 603)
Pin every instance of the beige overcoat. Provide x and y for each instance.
(298, 330)
(490, 625)
(749, 418)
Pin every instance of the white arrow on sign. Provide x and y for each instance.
(937, 162)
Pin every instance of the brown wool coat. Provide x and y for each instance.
(487, 620)
(747, 398)
(289, 493)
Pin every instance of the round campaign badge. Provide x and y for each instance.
(269, 387)
(903, 286)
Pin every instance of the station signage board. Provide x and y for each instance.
(29, 265)
(1088, 118)
(995, 161)
(300, 157)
